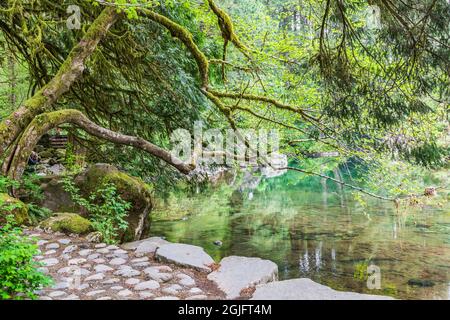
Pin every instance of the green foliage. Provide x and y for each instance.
(29, 190)
(19, 275)
(107, 210)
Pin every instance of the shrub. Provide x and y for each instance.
(107, 210)
(19, 275)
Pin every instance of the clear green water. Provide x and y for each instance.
(319, 232)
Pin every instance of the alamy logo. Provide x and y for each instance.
(214, 146)
(374, 277)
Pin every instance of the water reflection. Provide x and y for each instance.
(314, 229)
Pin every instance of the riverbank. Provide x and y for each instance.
(154, 269)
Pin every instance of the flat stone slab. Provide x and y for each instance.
(185, 255)
(306, 289)
(238, 273)
(145, 246)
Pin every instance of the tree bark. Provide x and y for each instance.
(12, 79)
(46, 121)
(68, 73)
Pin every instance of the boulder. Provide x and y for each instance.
(146, 246)
(10, 205)
(130, 189)
(68, 223)
(185, 255)
(306, 289)
(238, 273)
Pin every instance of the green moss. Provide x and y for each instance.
(68, 222)
(10, 205)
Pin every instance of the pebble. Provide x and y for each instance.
(95, 277)
(117, 288)
(77, 261)
(117, 261)
(85, 252)
(94, 293)
(64, 241)
(125, 293)
(102, 268)
(147, 285)
(111, 281)
(49, 252)
(103, 251)
(195, 291)
(99, 260)
(70, 249)
(50, 262)
(185, 280)
(100, 246)
(52, 246)
(42, 242)
(138, 260)
(198, 297)
(55, 294)
(93, 256)
(104, 298)
(146, 294)
(112, 247)
(127, 272)
(132, 281)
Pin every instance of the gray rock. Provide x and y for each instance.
(85, 252)
(100, 246)
(111, 281)
(117, 261)
(155, 274)
(99, 261)
(102, 251)
(139, 260)
(42, 242)
(112, 247)
(64, 241)
(71, 297)
(93, 256)
(237, 273)
(306, 289)
(146, 246)
(172, 290)
(70, 249)
(95, 293)
(147, 285)
(117, 288)
(77, 261)
(49, 252)
(50, 262)
(102, 268)
(55, 294)
(146, 295)
(185, 280)
(52, 246)
(132, 281)
(95, 277)
(104, 298)
(125, 293)
(185, 255)
(195, 291)
(127, 272)
(141, 264)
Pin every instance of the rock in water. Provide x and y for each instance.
(238, 273)
(185, 255)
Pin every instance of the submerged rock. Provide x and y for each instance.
(238, 273)
(185, 255)
(306, 289)
(421, 283)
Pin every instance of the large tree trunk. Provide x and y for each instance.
(46, 121)
(68, 73)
